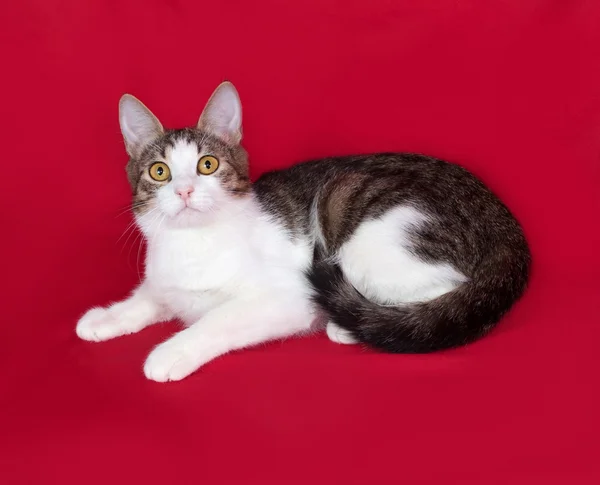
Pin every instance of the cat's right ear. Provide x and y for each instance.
(222, 115)
(138, 125)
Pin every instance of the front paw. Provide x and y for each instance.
(171, 361)
(100, 324)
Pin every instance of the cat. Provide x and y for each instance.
(402, 252)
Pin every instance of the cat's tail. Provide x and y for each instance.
(453, 319)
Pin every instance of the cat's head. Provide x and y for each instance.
(186, 177)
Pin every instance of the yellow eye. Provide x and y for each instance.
(207, 165)
(160, 172)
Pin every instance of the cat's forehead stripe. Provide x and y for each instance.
(182, 150)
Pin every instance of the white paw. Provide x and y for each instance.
(100, 324)
(170, 361)
(339, 335)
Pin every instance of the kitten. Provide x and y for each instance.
(402, 252)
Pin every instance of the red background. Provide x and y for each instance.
(508, 88)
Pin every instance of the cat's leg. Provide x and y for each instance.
(122, 318)
(339, 335)
(233, 325)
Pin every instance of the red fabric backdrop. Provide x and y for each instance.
(511, 89)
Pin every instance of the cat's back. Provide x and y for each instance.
(418, 176)
(365, 186)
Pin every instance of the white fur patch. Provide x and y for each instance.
(377, 260)
(339, 335)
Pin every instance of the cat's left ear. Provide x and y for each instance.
(222, 115)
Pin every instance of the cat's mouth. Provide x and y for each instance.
(186, 211)
(188, 214)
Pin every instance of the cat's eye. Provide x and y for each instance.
(207, 165)
(159, 171)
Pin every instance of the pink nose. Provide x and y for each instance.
(185, 192)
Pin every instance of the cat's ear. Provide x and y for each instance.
(222, 115)
(138, 125)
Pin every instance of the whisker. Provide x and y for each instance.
(130, 229)
(160, 221)
(138, 239)
(137, 261)
(129, 226)
(131, 207)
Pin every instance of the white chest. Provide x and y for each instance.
(193, 270)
